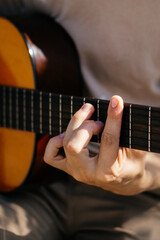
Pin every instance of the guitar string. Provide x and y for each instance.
(140, 108)
(155, 120)
(153, 110)
(143, 135)
(40, 113)
(139, 128)
(137, 142)
(45, 111)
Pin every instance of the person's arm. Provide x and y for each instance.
(119, 170)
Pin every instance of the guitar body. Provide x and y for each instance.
(50, 65)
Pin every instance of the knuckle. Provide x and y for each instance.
(88, 125)
(76, 117)
(103, 178)
(140, 174)
(51, 141)
(88, 122)
(71, 148)
(99, 178)
(46, 159)
(109, 138)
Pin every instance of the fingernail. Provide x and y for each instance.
(114, 103)
(99, 122)
(62, 135)
(86, 107)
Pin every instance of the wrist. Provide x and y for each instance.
(151, 176)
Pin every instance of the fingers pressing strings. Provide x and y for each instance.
(78, 134)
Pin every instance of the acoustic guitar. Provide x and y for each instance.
(32, 105)
(51, 64)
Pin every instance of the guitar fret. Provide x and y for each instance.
(60, 113)
(40, 113)
(93, 117)
(130, 125)
(98, 136)
(17, 110)
(71, 106)
(50, 113)
(84, 100)
(149, 129)
(32, 111)
(10, 107)
(24, 109)
(4, 106)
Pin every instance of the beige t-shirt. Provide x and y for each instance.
(118, 43)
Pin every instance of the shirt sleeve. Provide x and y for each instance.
(50, 7)
(11, 7)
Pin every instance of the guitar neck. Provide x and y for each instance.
(48, 113)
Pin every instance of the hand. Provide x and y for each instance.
(118, 170)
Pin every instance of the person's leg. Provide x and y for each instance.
(98, 214)
(35, 212)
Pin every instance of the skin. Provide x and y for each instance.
(119, 170)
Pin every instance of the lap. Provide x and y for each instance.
(31, 213)
(77, 211)
(102, 215)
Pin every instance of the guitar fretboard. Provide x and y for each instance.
(48, 113)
